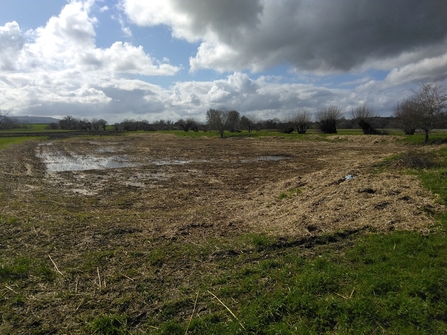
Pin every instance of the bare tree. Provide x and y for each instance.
(7, 122)
(183, 125)
(84, 124)
(193, 124)
(364, 114)
(68, 123)
(188, 124)
(403, 113)
(3, 119)
(425, 108)
(53, 126)
(327, 119)
(233, 121)
(95, 124)
(249, 122)
(102, 123)
(246, 123)
(301, 121)
(286, 126)
(163, 125)
(218, 119)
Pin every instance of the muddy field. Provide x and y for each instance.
(85, 207)
(194, 187)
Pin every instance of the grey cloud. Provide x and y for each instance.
(77, 32)
(320, 34)
(90, 61)
(135, 101)
(124, 104)
(60, 109)
(231, 18)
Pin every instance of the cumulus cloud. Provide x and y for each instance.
(60, 64)
(195, 19)
(310, 35)
(427, 69)
(11, 41)
(58, 69)
(262, 96)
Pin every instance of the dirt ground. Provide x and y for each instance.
(207, 185)
(68, 198)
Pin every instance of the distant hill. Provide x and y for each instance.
(35, 119)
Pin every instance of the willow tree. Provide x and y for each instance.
(327, 119)
(218, 119)
(425, 108)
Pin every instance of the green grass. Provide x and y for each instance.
(394, 283)
(29, 128)
(38, 127)
(12, 270)
(418, 138)
(7, 141)
(434, 137)
(109, 325)
(263, 133)
(290, 193)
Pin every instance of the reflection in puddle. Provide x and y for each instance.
(106, 150)
(58, 162)
(169, 162)
(264, 158)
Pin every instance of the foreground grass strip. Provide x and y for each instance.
(393, 283)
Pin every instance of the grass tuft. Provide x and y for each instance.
(290, 193)
(110, 325)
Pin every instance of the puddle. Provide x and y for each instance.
(264, 158)
(169, 162)
(135, 184)
(58, 162)
(106, 150)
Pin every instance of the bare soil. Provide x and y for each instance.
(89, 226)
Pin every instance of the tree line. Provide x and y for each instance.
(425, 109)
(71, 123)
(7, 122)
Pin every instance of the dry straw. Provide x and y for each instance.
(229, 310)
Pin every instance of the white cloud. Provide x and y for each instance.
(11, 42)
(125, 58)
(59, 64)
(426, 69)
(262, 96)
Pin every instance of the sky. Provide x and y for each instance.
(171, 59)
